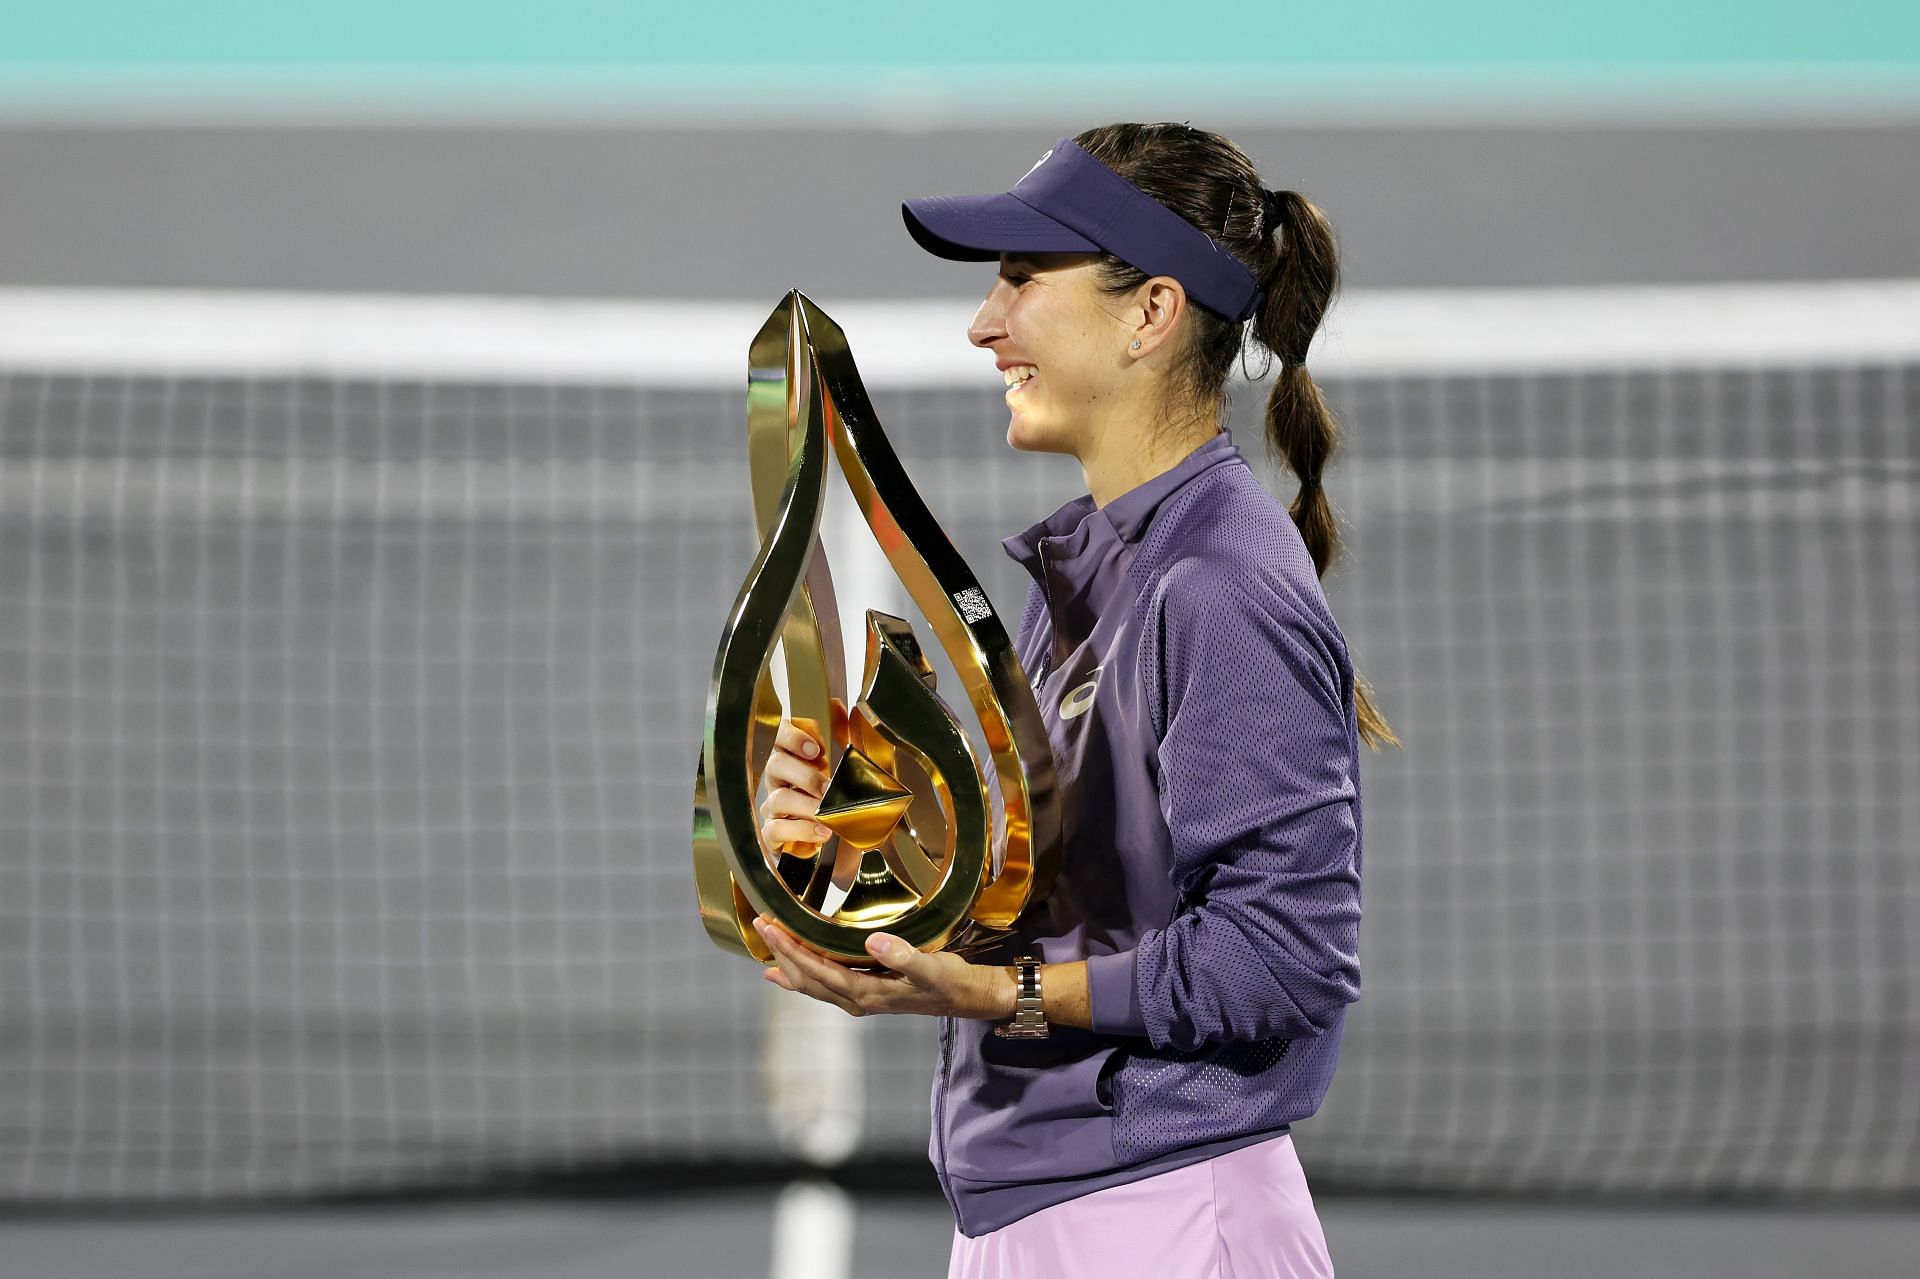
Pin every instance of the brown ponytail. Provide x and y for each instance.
(1288, 244)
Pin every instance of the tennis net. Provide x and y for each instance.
(354, 652)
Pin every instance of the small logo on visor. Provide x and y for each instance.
(1037, 163)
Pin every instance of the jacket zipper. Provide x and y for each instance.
(1053, 624)
(940, 1114)
(946, 1023)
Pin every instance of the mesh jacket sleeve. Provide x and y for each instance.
(1251, 705)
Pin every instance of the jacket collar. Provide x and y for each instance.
(1087, 548)
(1077, 525)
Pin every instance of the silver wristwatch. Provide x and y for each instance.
(1028, 1021)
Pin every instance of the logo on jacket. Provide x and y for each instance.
(1079, 700)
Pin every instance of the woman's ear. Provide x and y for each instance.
(1164, 302)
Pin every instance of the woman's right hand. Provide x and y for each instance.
(797, 777)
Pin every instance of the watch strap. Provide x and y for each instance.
(1029, 1022)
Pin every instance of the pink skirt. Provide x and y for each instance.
(1242, 1215)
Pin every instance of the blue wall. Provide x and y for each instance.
(761, 52)
(883, 33)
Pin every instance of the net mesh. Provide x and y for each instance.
(349, 721)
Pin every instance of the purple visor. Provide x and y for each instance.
(1069, 202)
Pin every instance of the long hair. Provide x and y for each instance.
(1212, 184)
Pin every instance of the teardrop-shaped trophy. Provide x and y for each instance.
(914, 850)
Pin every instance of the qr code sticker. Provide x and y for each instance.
(973, 605)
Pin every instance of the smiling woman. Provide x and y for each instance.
(1198, 952)
(1087, 254)
(1071, 391)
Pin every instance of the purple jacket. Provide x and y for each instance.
(1199, 698)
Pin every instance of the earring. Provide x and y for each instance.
(1136, 345)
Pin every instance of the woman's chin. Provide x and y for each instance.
(1022, 435)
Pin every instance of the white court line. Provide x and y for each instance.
(812, 1232)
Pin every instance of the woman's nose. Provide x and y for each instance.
(986, 324)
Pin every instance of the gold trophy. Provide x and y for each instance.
(914, 848)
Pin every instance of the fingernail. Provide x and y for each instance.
(809, 749)
(878, 944)
(822, 831)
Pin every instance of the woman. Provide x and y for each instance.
(1201, 944)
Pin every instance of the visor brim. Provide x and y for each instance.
(979, 228)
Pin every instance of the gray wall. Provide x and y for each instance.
(627, 211)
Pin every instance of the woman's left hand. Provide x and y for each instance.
(940, 984)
